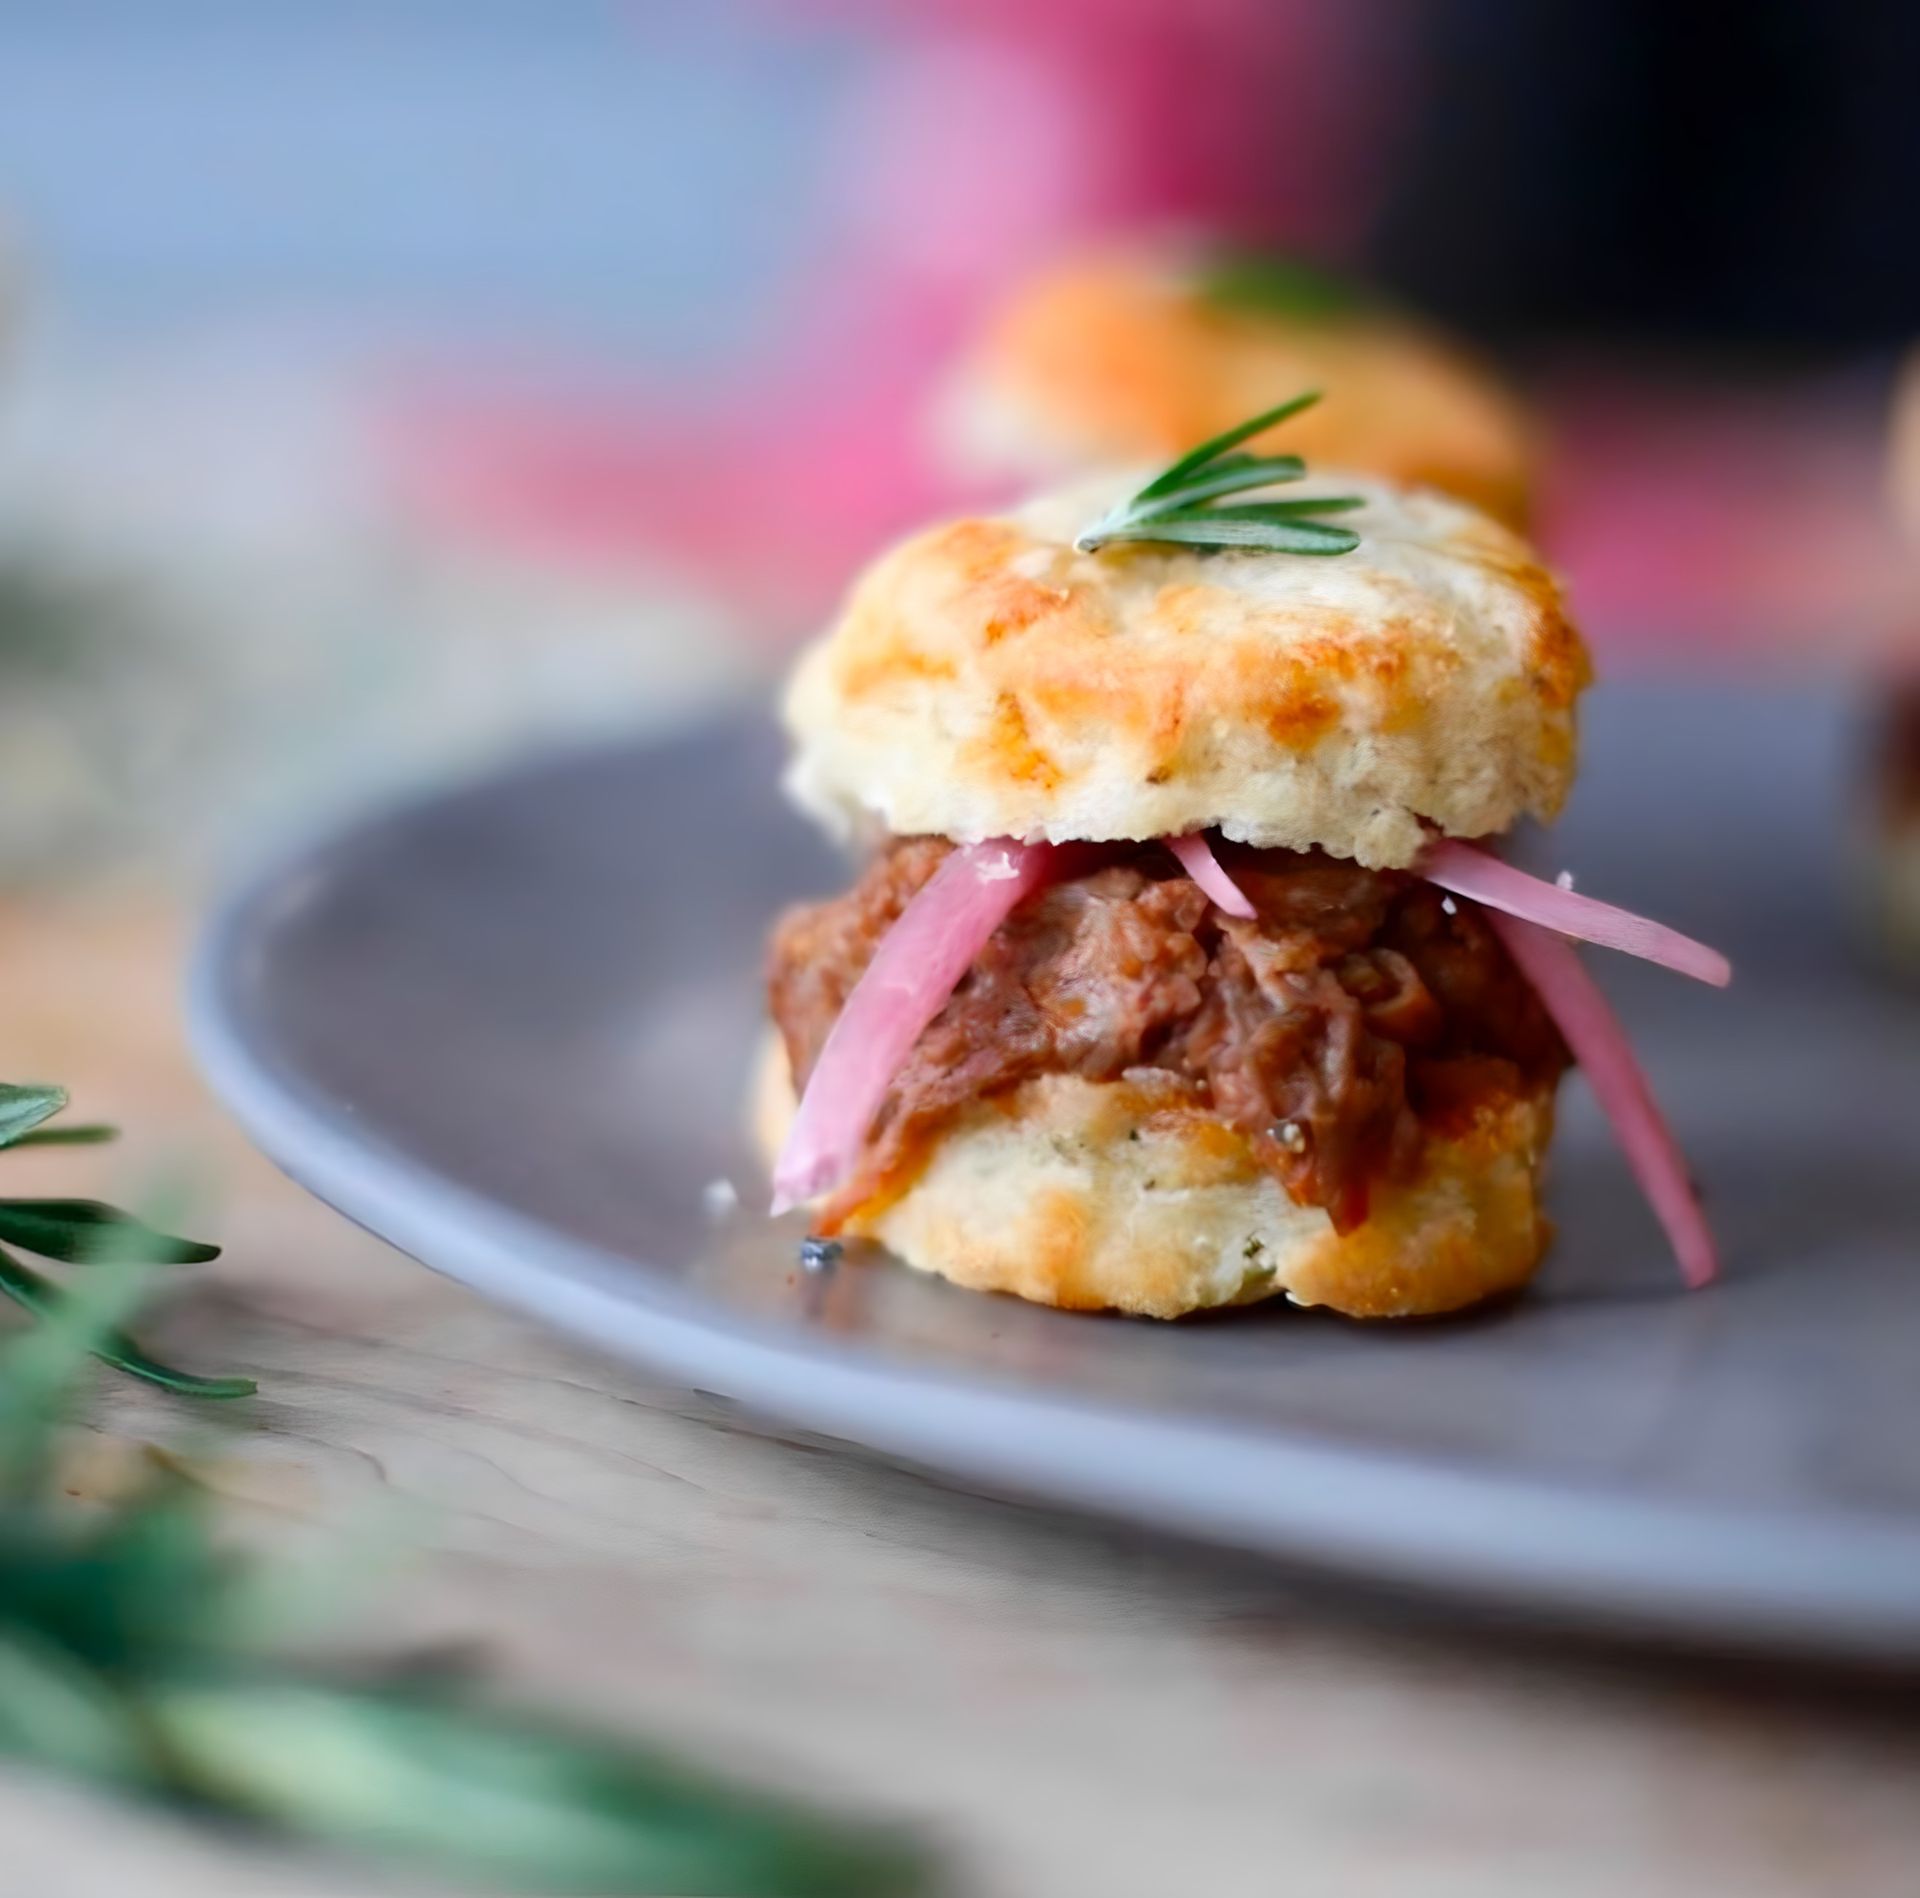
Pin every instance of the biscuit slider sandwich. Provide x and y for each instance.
(1183, 970)
(1134, 352)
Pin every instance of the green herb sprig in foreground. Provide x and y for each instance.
(1183, 505)
(85, 1232)
(137, 1654)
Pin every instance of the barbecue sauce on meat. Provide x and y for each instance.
(1359, 1009)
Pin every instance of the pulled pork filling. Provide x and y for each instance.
(1359, 1009)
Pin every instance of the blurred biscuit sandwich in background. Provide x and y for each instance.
(1134, 353)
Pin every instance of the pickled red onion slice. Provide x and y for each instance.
(1600, 1045)
(1469, 871)
(915, 969)
(1198, 861)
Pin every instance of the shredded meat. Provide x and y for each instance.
(1357, 1010)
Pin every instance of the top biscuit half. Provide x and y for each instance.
(988, 679)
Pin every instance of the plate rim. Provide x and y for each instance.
(1834, 1586)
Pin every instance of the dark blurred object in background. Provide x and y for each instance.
(1636, 168)
(1891, 867)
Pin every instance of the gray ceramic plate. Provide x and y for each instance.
(507, 1029)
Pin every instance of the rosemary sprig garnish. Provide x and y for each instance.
(1181, 505)
(139, 1654)
(87, 1232)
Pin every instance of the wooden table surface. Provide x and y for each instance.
(1073, 1708)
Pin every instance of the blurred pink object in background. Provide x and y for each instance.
(1012, 125)
(1706, 521)
(983, 136)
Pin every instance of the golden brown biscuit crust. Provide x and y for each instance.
(986, 679)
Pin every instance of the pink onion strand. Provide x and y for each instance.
(915, 969)
(1198, 861)
(1599, 1043)
(1469, 871)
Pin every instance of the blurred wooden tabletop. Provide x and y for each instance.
(1072, 1708)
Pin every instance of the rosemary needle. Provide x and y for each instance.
(1182, 504)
